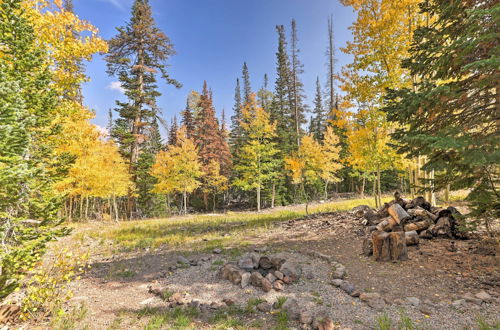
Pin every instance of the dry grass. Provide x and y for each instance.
(202, 232)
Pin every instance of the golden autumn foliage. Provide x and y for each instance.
(68, 40)
(178, 169)
(98, 170)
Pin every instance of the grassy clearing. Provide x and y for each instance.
(205, 232)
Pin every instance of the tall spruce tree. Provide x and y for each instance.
(296, 86)
(318, 120)
(137, 55)
(187, 121)
(247, 87)
(280, 110)
(264, 95)
(236, 135)
(27, 159)
(172, 134)
(451, 114)
(330, 53)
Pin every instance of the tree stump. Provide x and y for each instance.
(381, 250)
(389, 246)
(367, 247)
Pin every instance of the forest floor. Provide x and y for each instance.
(434, 289)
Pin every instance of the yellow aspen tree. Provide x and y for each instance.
(178, 169)
(257, 164)
(213, 181)
(331, 158)
(306, 166)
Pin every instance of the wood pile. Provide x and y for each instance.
(401, 223)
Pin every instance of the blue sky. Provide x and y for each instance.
(212, 39)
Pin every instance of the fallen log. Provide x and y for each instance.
(417, 226)
(411, 238)
(398, 213)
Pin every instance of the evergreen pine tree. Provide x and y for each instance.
(317, 127)
(172, 134)
(27, 159)
(236, 133)
(451, 113)
(265, 96)
(247, 88)
(137, 55)
(296, 86)
(280, 110)
(187, 121)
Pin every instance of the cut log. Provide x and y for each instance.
(427, 234)
(372, 217)
(381, 249)
(389, 246)
(411, 238)
(444, 227)
(420, 212)
(386, 224)
(417, 226)
(421, 202)
(398, 213)
(367, 247)
(397, 246)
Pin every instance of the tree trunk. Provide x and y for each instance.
(116, 209)
(389, 246)
(185, 202)
(273, 195)
(214, 202)
(70, 208)
(326, 190)
(379, 190)
(375, 193)
(381, 250)
(363, 186)
(258, 199)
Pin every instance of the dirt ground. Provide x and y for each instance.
(115, 291)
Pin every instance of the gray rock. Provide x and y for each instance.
(217, 251)
(266, 285)
(256, 279)
(255, 259)
(292, 308)
(414, 301)
(339, 272)
(277, 260)
(337, 282)
(347, 287)
(265, 263)
(182, 260)
(484, 296)
(291, 269)
(246, 263)
(306, 317)
(470, 298)
(426, 309)
(245, 280)
(264, 307)
(372, 299)
(279, 275)
(271, 278)
(260, 249)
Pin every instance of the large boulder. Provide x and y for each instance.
(246, 263)
(292, 308)
(256, 279)
(291, 270)
(372, 299)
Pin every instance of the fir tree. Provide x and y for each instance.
(265, 96)
(138, 54)
(317, 127)
(247, 88)
(280, 111)
(172, 134)
(27, 159)
(296, 87)
(451, 114)
(236, 134)
(330, 53)
(188, 121)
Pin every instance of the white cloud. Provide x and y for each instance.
(117, 3)
(116, 86)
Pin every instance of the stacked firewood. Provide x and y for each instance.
(402, 222)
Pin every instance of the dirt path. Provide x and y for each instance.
(115, 291)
